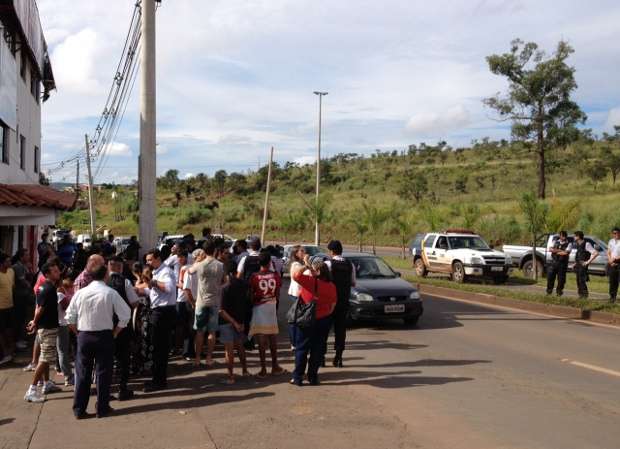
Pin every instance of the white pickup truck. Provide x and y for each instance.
(462, 254)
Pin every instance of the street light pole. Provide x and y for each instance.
(317, 234)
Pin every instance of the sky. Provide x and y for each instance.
(235, 77)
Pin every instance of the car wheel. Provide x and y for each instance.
(411, 321)
(458, 272)
(420, 268)
(528, 268)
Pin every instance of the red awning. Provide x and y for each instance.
(32, 195)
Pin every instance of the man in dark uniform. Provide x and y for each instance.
(586, 253)
(559, 254)
(343, 276)
(122, 343)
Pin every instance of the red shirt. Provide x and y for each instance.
(40, 281)
(324, 292)
(265, 286)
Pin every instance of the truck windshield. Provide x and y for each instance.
(467, 242)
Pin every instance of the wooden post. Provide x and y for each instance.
(265, 211)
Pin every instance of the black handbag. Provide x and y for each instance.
(303, 314)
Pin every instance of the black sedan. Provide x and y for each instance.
(380, 293)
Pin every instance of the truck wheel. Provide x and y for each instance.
(529, 267)
(458, 272)
(420, 268)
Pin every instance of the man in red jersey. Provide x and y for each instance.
(264, 290)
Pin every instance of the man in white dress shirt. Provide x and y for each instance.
(162, 294)
(613, 268)
(91, 315)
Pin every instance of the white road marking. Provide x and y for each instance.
(596, 368)
(513, 309)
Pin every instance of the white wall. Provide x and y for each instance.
(28, 125)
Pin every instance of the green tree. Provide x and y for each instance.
(538, 102)
(358, 224)
(402, 221)
(292, 221)
(374, 217)
(535, 212)
(611, 162)
(414, 184)
(219, 178)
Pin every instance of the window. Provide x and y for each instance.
(37, 156)
(35, 86)
(4, 142)
(442, 243)
(24, 64)
(430, 239)
(22, 152)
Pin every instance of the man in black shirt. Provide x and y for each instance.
(343, 276)
(45, 324)
(236, 306)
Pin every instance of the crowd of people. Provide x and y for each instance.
(97, 313)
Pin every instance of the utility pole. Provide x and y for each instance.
(147, 172)
(265, 211)
(77, 179)
(91, 199)
(317, 231)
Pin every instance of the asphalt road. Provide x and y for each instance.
(467, 377)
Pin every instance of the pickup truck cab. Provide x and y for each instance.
(461, 254)
(522, 255)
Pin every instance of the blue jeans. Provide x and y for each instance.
(63, 346)
(292, 329)
(311, 340)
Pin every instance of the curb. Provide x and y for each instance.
(568, 312)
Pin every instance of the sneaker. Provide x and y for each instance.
(69, 382)
(21, 345)
(50, 387)
(30, 367)
(6, 359)
(33, 395)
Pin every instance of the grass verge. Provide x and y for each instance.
(516, 294)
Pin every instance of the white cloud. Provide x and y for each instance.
(305, 160)
(74, 67)
(613, 119)
(119, 149)
(394, 77)
(188, 175)
(438, 124)
(161, 149)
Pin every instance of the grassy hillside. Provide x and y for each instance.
(386, 197)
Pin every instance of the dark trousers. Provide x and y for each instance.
(122, 353)
(162, 323)
(184, 320)
(556, 270)
(340, 329)
(581, 272)
(93, 347)
(614, 280)
(311, 340)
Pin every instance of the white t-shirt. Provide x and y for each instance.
(294, 288)
(190, 282)
(183, 273)
(614, 248)
(61, 311)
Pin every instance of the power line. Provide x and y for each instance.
(116, 101)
